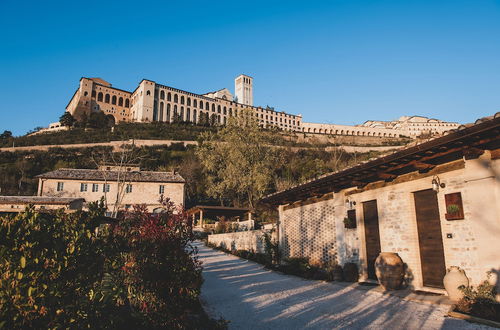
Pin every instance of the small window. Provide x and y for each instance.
(105, 187)
(95, 187)
(83, 187)
(60, 186)
(162, 189)
(128, 188)
(148, 93)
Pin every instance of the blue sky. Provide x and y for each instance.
(332, 61)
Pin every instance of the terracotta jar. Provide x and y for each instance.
(389, 269)
(454, 278)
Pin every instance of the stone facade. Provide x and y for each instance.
(92, 188)
(315, 228)
(154, 102)
(412, 126)
(243, 240)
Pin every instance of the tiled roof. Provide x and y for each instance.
(37, 200)
(97, 175)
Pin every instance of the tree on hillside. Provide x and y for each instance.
(67, 119)
(238, 160)
(6, 135)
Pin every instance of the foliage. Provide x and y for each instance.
(5, 135)
(480, 301)
(67, 119)
(238, 160)
(58, 271)
(271, 247)
(349, 222)
(51, 266)
(453, 208)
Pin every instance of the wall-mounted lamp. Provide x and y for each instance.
(349, 204)
(436, 183)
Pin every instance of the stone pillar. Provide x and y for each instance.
(201, 218)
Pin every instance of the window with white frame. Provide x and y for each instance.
(83, 187)
(105, 187)
(95, 187)
(162, 189)
(60, 186)
(128, 188)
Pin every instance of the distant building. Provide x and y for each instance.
(132, 185)
(15, 204)
(413, 126)
(154, 102)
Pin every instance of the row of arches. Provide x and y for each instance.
(106, 98)
(195, 103)
(347, 132)
(171, 114)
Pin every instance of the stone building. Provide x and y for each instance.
(436, 204)
(15, 204)
(412, 126)
(132, 185)
(154, 102)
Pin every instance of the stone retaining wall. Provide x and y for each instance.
(244, 240)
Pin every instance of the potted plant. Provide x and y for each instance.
(350, 219)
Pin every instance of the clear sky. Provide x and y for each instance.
(332, 61)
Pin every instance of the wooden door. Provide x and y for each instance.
(372, 236)
(430, 238)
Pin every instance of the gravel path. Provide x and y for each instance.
(252, 297)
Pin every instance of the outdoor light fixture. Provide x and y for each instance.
(436, 183)
(349, 204)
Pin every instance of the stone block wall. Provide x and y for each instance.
(251, 240)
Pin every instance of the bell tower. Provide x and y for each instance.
(243, 89)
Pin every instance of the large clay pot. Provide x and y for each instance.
(454, 278)
(389, 269)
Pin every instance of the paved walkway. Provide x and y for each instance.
(252, 297)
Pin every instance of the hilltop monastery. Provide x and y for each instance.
(154, 102)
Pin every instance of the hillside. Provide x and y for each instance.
(181, 132)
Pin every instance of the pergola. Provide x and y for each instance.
(207, 211)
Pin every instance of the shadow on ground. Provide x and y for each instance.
(252, 297)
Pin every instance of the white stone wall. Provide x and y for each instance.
(251, 240)
(316, 230)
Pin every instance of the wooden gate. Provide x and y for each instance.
(430, 238)
(372, 236)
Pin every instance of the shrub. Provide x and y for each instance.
(480, 301)
(59, 271)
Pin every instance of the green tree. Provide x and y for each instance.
(6, 135)
(238, 160)
(67, 119)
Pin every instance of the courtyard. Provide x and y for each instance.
(250, 296)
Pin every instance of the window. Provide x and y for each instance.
(120, 101)
(113, 99)
(99, 97)
(60, 186)
(83, 187)
(176, 98)
(162, 95)
(148, 92)
(105, 187)
(106, 98)
(169, 97)
(127, 103)
(95, 187)
(128, 188)
(162, 189)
